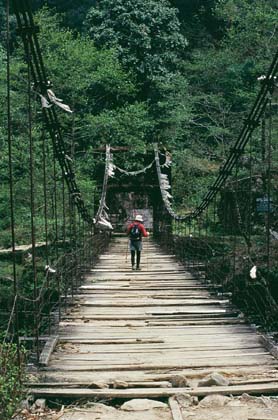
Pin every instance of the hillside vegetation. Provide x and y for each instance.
(180, 73)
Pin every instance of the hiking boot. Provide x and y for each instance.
(133, 267)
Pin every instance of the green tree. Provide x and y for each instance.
(90, 79)
(103, 97)
(145, 33)
(93, 82)
(200, 24)
(147, 37)
(222, 78)
(72, 12)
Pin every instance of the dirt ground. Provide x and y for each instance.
(214, 407)
(110, 413)
(241, 408)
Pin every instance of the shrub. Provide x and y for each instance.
(11, 379)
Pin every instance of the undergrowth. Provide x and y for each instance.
(12, 373)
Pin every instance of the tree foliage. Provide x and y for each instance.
(11, 380)
(101, 93)
(179, 72)
(148, 39)
(222, 78)
(145, 33)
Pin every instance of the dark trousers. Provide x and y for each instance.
(135, 248)
(138, 257)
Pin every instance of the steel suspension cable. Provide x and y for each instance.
(28, 31)
(64, 213)
(45, 196)
(269, 146)
(249, 215)
(55, 208)
(14, 312)
(251, 123)
(32, 210)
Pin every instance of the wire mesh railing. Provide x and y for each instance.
(231, 238)
(38, 280)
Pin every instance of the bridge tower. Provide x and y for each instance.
(128, 195)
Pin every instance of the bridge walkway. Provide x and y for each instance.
(152, 333)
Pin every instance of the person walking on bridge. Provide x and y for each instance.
(135, 232)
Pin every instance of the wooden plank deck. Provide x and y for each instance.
(130, 332)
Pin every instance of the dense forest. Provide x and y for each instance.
(180, 73)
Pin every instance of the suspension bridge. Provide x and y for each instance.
(93, 327)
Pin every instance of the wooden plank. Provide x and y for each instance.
(40, 338)
(215, 363)
(129, 376)
(122, 287)
(102, 320)
(131, 290)
(180, 354)
(155, 392)
(138, 273)
(22, 248)
(175, 330)
(188, 323)
(114, 304)
(87, 335)
(154, 315)
(88, 384)
(160, 343)
(253, 381)
(110, 341)
(113, 301)
(136, 376)
(270, 345)
(262, 418)
(175, 408)
(47, 350)
(164, 350)
(130, 294)
(181, 346)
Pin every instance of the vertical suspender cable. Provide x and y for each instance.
(72, 244)
(64, 214)
(250, 201)
(55, 207)
(236, 230)
(12, 215)
(32, 210)
(269, 145)
(43, 138)
(45, 196)
(207, 241)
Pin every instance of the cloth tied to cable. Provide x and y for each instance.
(52, 99)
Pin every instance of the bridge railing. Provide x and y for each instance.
(46, 204)
(231, 238)
(32, 314)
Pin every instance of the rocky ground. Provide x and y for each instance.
(213, 407)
